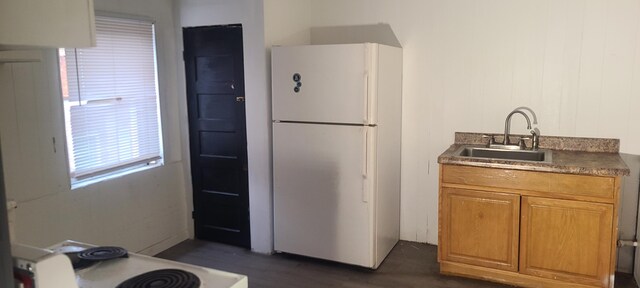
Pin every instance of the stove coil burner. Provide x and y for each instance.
(78, 263)
(165, 278)
(88, 257)
(103, 253)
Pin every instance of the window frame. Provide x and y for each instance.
(126, 168)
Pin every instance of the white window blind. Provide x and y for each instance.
(111, 99)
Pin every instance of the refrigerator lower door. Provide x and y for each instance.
(322, 202)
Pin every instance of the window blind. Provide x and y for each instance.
(112, 100)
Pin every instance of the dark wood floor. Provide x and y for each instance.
(409, 265)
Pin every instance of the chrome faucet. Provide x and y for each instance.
(507, 125)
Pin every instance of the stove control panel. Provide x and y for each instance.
(41, 268)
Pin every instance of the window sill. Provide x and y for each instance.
(76, 184)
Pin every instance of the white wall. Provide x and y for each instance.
(249, 13)
(468, 63)
(286, 22)
(143, 212)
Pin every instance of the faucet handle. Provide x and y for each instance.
(522, 144)
(492, 139)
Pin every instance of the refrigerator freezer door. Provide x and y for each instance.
(321, 83)
(322, 206)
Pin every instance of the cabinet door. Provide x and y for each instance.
(479, 228)
(566, 240)
(51, 23)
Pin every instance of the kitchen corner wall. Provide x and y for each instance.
(468, 63)
(143, 212)
(249, 13)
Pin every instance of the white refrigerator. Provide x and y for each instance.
(336, 151)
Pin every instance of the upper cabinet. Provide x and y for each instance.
(47, 23)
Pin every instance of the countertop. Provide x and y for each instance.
(573, 155)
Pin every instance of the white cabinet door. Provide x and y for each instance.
(47, 23)
(322, 206)
(332, 82)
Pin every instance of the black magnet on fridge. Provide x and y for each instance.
(296, 77)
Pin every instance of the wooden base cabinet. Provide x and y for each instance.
(542, 233)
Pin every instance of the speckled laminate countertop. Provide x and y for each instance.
(590, 156)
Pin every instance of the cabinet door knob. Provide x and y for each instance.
(240, 99)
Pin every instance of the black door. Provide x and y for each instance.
(215, 98)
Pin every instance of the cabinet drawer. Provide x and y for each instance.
(545, 182)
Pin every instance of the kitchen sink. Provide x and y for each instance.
(492, 153)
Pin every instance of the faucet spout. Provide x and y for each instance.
(507, 125)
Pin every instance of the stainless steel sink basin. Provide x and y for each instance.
(519, 155)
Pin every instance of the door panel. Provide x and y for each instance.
(566, 240)
(319, 205)
(220, 180)
(219, 67)
(333, 80)
(480, 228)
(215, 80)
(217, 107)
(216, 144)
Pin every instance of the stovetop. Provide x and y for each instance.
(166, 278)
(113, 272)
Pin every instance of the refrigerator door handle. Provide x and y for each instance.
(367, 70)
(365, 166)
(365, 153)
(366, 98)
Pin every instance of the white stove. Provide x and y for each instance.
(112, 273)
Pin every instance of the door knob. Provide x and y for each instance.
(240, 99)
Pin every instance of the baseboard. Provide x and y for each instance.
(504, 277)
(164, 244)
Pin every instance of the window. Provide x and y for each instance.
(110, 98)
